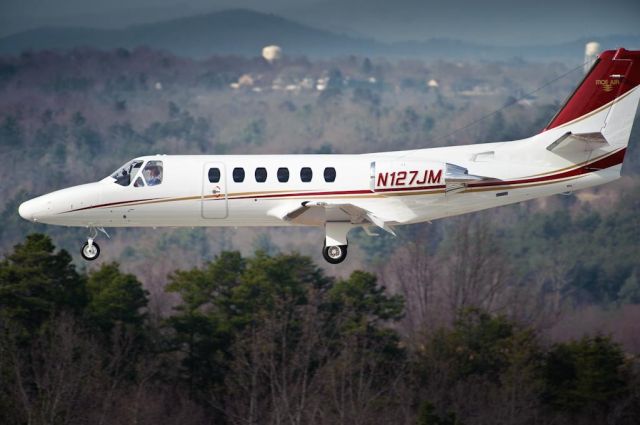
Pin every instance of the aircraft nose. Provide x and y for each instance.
(27, 210)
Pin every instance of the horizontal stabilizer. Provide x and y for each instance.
(578, 142)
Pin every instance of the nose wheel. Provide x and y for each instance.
(90, 250)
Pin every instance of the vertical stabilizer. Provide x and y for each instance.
(606, 100)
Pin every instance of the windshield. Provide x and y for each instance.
(124, 173)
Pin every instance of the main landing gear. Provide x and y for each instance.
(91, 250)
(334, 254)
(335, 243)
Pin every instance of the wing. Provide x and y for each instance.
(319, 211)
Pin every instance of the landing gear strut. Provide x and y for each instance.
(91, 250)
(335, 244)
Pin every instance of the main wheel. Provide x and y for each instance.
(90, 252)
(335, 254)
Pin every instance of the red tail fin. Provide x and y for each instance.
(614, 73)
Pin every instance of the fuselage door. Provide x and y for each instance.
(214, 191)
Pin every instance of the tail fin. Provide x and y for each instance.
(606, 100)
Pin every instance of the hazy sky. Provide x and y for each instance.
(486, 21)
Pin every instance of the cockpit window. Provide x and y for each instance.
(138, 182)
(124, 173)
(152, 173)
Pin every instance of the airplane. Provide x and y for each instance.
(583, 146)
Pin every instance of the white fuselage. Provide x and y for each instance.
(186, 197)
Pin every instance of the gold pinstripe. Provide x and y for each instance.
(520, 185)
(595, 111)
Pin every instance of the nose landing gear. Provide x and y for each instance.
(335, 244)
(91, 250)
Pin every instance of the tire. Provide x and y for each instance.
(334, 254)
(88, 253)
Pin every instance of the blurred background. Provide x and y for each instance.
(85, 86)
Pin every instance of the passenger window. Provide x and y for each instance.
(261, 175)
(214, 175)
(139, 182)
(238, 175)
(329, 174)
(306, 174)
(152, 173)
(283, 175)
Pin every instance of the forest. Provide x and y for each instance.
(524, 314)
(274, 340)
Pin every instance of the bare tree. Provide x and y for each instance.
(476, 270)
(273, 375)
(56, 380)
(358, 387)
(413, 272)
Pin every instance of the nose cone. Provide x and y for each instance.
(27, 210)
(57, 207)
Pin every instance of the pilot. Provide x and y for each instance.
(154, 179)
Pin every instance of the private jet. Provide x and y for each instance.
(583, 146)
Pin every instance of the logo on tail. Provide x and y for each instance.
(607, 85)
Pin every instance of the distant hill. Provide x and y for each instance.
(241, 32)
(245, 32)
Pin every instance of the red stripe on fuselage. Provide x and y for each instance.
(288, 195)
(342, 192)
(610, 160)
(405, 189)
(113, 204)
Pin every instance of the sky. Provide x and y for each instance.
(500, 22)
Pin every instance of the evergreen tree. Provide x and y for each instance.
(37, 283)
(115, 298)
(586, 375)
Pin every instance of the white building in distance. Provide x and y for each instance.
(272, 53)
(591, 50)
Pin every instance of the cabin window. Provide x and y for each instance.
(238, 174)
(214, 175)
(283, 175)
(123, 175)
(329, 174)
(261, 175)
(152, 173)
(306, 174)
